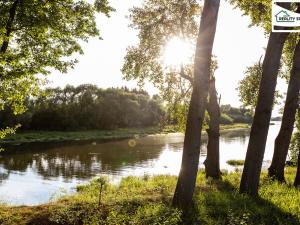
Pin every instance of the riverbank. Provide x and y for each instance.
(94, 135)
(147, 200)
(77, 136)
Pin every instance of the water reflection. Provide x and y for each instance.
(33, 176)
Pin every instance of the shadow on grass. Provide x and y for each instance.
(219, 202)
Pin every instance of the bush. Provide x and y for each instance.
(225, 119)
(233, 162)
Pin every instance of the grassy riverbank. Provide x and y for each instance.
(94, 135)
(61, 136)
(147, 200)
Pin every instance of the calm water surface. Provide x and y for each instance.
(36, 176)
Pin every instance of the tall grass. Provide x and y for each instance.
(147, 201)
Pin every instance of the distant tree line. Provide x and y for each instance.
(87, 107)
(230, 115)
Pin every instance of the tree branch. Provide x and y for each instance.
(183, 75)
(9, 26)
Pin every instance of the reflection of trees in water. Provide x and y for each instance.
(85, 161)
(240, 136)
(3, 176)
(81, 161)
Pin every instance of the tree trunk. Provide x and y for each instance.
(191, 150)
(260, 127)
(297, 179)
(212, 162)
(283, 139)
(9, 26)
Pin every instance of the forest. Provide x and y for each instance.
(88, 107)
(177, 175)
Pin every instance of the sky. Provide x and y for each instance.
(236, 47)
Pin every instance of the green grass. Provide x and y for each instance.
(60, 136)
(65, 136)
(147, 200)
(235, 126)
(233, 162)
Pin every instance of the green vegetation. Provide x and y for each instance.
(37, 37)
(147, 200)
(59, 136)
(234, 126)
(230, 115)
(295, 141)
(233, 162)
(87, 107)
(95, 135)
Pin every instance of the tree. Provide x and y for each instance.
(297, 178)
(259, 130)
(282, 141)
(294, 149)
(38, 35)
(158, 22)
(191, 149)
(212, 162)
(249, 86)
(262, 116)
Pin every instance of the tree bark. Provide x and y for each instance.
(260, 127)
(191, 150)
(297, 179)
(283, 139)
(212, 162)
(9, 26)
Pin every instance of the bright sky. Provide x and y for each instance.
(236, 47)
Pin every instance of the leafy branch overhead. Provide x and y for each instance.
(157, 22)
(37, 36)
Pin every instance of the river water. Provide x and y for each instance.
(36, 176)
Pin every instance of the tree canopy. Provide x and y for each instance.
(157, 23)
(37, 36)
(87, 107)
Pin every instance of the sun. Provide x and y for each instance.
(178, 52)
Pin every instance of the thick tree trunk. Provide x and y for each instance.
(297, 179)
(212, 162)
(191, 150)
(9, 26)
(260, 127)
(283, 139)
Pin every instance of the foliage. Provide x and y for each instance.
(249, 86)
(231, 115)
(235, 126)
(77, 136)
(157, 23)
(260, 12)
(225, 119)
(45, 41)
(235, 162)
(288, 56)
(88, 107)
(36, 36)
(146, 200)
(294, 148)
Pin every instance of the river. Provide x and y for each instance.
(36, 176)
